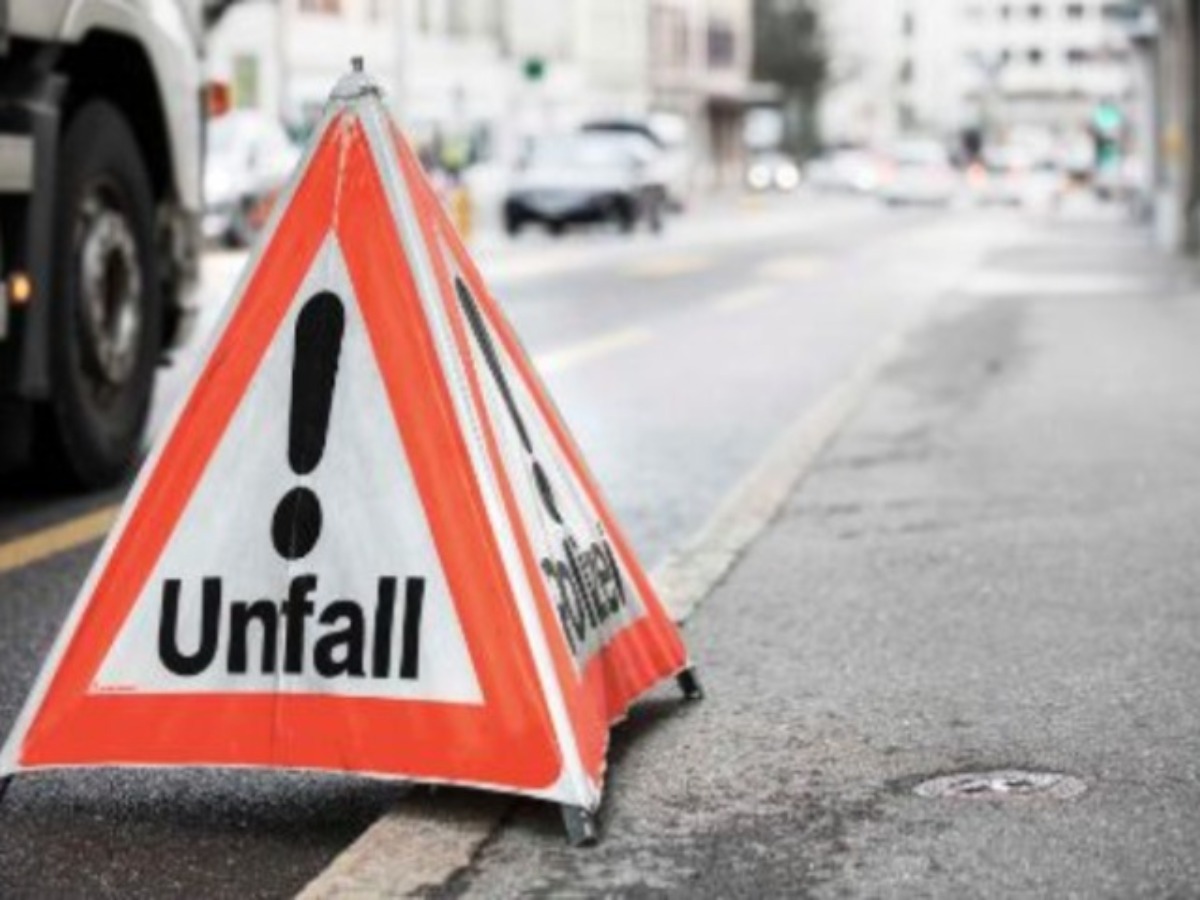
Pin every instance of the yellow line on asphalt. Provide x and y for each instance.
(791, 267)
(39, 545)
(591, 349)
(668, 266)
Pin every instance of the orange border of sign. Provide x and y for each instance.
(509, 740)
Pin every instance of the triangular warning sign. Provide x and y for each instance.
(367, 543)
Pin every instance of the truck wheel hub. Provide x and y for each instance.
(111, 288)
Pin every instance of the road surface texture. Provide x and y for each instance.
(991, 569)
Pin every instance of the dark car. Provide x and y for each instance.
(585, 178)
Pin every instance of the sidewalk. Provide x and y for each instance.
(996, 566)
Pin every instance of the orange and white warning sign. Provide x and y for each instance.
(367, 543)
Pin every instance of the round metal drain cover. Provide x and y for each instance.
(1002, 784)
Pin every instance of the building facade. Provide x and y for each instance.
(475, 79)
(700, 58)
(997, 66)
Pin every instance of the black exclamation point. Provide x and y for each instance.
(297, 522)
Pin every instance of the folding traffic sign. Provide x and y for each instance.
(367, 543)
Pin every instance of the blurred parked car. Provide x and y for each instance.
(852, 170)
(248, 160)
(919, 171)
(670, 161)
(585, 178)
(769, 171)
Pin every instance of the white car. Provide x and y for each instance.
(249, 158)
(919, 172)
(772, 171)
(852, 171)
(668, 161)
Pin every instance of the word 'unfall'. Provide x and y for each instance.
(282, 627)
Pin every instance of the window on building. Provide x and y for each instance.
(1074, 10)
(1035, 10)
(425, 16)
(973, 12)
(1005, 11)
(906, 71)
(1034, 56)
(721, 49)
(908, 23)
(1076, 55)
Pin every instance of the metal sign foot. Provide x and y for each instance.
(581, 826)
(689, 683)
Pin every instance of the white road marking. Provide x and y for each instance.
(569, 357)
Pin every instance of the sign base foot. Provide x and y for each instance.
(689, 683)
(580, 825)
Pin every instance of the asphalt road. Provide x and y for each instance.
(677, 360)
(993, 568)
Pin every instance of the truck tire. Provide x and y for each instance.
(105, 334)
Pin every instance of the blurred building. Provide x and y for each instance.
(474, 79)
(943, 66)
(282, 56)
(1045, 64)
(699, 78)
(501, 71)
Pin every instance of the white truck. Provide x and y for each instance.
(100, 199)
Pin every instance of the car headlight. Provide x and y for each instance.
(759, 177)
(787, 177)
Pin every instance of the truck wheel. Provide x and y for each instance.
(106, 315)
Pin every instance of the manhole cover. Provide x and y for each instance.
(1002, 784)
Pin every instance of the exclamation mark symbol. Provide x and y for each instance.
(319, 327)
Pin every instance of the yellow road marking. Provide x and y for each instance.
(39, 545)
(668, 266)
(746, 298)
(791, 267)
(593, 348)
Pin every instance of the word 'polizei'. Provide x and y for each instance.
(590, 590)
(341, 648)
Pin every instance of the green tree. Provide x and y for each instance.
(790, 52)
